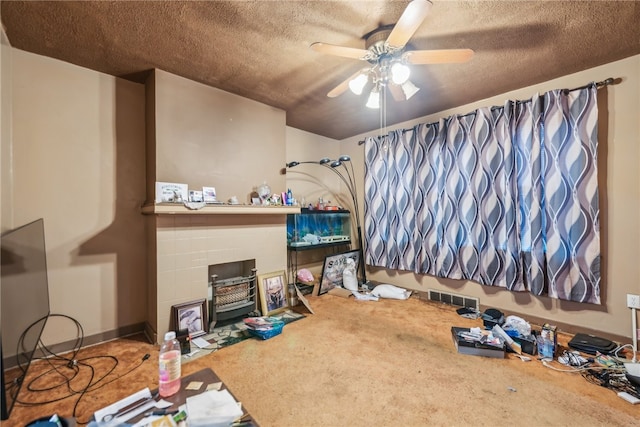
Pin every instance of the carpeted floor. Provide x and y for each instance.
(357, 363)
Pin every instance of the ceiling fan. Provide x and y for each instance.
(385, 52)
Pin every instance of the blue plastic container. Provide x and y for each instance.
(269, 333)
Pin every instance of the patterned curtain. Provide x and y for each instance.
(504, 196)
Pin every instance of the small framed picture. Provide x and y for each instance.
(195, 196)
(273, 292)
(333, 267)
(171, 192)
(191, 316)
(209, 194)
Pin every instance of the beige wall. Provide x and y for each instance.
(202, 136)
(78, 162)
(620, 218)
(208, 137)
(308, 182)
(5, 133)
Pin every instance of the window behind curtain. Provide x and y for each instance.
(504, 196)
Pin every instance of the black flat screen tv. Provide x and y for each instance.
(24, 300)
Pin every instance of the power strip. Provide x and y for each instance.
(629, 398)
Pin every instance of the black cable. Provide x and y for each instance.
(74, 364)
(20, 344)
(616, 382)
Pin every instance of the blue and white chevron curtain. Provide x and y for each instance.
(503, 196)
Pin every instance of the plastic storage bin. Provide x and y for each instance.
(265, 335)
(264, 327)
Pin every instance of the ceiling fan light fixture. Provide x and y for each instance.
(390, 57)
(357, 84)
(399, 73)
(374, 98)
(409, 89)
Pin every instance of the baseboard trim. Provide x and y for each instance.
(150, 333)
(91, 340)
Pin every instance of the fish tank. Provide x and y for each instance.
(312, 228)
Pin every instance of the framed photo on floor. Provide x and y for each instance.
(273, 292)
(333, 267)
(191, 316)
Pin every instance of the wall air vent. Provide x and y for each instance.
(454, 299)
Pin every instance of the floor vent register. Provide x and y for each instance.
(454, 299)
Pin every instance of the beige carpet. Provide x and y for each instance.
(394, 363)
(385, 363)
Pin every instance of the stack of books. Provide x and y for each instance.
(264, 327)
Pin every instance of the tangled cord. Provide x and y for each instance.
(615, 381)
(67, 370)
(608, 372)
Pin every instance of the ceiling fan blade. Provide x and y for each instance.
(347, 52)
(396, 92)
(443, 56)
(408, 23)
(342, 87)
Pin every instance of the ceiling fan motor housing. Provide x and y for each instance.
(376, 44)
(378, 36)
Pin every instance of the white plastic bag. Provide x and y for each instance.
(518, 324)
(349, 279)
(391, 292)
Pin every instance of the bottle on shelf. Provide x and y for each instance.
(169, 366)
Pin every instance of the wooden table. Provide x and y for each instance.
(206, 376)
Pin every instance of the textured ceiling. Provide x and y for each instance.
(260, 49)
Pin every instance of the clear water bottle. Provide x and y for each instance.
(169, 366)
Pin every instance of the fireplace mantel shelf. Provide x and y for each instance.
(177, 209)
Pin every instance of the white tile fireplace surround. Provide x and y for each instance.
(186, 244)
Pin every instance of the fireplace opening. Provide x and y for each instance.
(232, 291)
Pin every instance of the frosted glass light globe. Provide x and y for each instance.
(399, 73)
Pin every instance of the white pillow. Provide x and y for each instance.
(391, 292)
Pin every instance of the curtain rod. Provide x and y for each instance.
(599, 85)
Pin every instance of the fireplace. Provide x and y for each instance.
(232, 290)
(186, 243)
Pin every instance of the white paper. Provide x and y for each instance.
(213, 408)
(201, 342)
(192, 353)
(114, 408)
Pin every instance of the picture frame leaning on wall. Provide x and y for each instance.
(333, 267)
(273, 292)
(191, 316)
